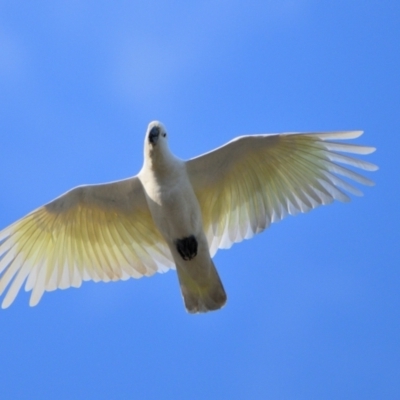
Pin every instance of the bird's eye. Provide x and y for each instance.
(164, 134)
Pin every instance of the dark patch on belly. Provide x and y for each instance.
(187, 247)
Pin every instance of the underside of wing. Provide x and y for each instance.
(96, 232)
(255, 180)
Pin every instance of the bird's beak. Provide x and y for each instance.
(154, 135)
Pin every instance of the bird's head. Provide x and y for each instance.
(156, 134)
(156, 148)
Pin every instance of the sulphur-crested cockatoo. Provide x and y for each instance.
(176, 213)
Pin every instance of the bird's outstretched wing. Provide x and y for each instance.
(95, 232)
(252, 181)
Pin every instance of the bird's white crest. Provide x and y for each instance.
(177, 213)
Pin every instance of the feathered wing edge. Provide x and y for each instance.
(96, 232)
(252, 181)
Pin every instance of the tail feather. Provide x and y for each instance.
(201, 286)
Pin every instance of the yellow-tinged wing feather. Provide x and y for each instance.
(252, 181)
(95, 232)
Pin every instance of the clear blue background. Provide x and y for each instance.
(313, 307)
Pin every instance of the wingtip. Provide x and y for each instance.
(5, 305)
(8, 300)
(33, 302)
(339, 135)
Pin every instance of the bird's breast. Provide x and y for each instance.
(174, 208)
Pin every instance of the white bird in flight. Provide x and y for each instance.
(176, 213)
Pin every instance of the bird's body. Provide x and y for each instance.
(176, 213)
(170, 196)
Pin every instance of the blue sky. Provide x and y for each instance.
(313, 302)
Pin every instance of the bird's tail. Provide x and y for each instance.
(201, 286)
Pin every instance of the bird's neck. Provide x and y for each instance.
(160, 161)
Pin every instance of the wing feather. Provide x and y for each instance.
(98, 232)
(255, 180)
